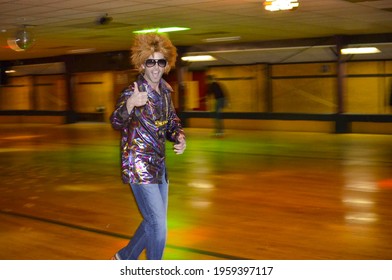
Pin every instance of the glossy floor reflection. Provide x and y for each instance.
(249, 195)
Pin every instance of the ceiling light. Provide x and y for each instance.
(222, 39)
(360, 50)
(86, 50)
(280, 5)
(193, 58)
(162, 30)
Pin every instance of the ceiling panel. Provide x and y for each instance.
(61, 26)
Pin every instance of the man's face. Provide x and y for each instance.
(154, 73)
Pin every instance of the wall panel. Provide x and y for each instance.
(50, 93)
(241, 84)
(364, 95)
(17, 95)
(93, 93)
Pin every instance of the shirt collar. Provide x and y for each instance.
(163, 85)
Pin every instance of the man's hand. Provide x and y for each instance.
(137, 99)
(179, 148)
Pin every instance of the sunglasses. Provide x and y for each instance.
(151, 62)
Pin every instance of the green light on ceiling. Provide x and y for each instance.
(161, 30)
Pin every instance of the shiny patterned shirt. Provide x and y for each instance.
(144, 131)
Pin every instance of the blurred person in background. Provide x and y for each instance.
(390, 98)
(215, 89)
(146, 118)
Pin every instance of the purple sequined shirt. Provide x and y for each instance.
(144, 131)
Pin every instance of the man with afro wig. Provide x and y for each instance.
(146, 118)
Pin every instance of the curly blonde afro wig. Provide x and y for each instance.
(147, 44)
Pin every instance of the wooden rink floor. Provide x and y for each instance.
(258, 195)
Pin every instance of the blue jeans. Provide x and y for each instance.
(219, 105)
(152, 231)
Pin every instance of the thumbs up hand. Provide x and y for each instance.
(137, 99)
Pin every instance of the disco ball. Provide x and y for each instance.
(22, 41)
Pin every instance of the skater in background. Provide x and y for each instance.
(215, 89)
